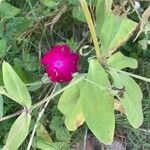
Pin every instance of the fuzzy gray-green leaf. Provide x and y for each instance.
(70, 105)
(18, 132)
(15, 87)
(98, 104)
(120, 61)
(112, 30)
(131, 98)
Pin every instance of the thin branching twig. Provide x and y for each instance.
(42, 101)
(38, 120)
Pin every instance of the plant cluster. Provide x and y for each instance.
(67, 71)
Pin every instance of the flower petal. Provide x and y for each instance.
(72, 67)
(52, 74)
(68, 59)
(64, 76)
(60, 51)
(72, 58)
(47, 58)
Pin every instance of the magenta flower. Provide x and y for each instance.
(60, 63)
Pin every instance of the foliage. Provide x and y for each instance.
(112, 34)
(28, 29)
(18, 132)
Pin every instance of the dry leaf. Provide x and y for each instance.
(118, 106)
(144, 20)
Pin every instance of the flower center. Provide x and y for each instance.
(58, 64)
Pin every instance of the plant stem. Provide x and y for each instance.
(11, 115)
(38, 120)
(55, 94)
(42, 101)
(91, 27)
(85, 139)
(131, 74)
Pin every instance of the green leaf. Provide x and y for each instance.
(75, 118)
(18, 132)
(70, 105)
(1, 29)
(41, 144)
(112, 30)
(57, 126)
(49, 3)
(8, 11)
(131, 99)
(62, 134)
(1, 106)
(43, 134)
(56, 123)
(78, 14)
(1, 78)
(2, 48)
(18, 25)
(15, 87)
(28, 62)
(98, 103)
(72, 44)
(73, 2)
(144, 43)
(119, 61)
(35, 86)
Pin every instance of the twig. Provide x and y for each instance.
(143, 20)
(38, 120)
(144, 130)
(131, 74)
(81, 42)
(56, 93)
(57, 17)
(135, 9)
(11, 115)
(97, 85)
(85, 139)
(42, 101)
(38, 22)
(91, 27)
